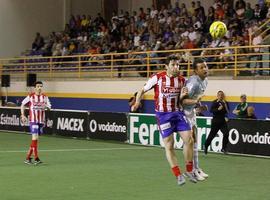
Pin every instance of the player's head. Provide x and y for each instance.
(200, 68)
(38, 87)
(250, 110)
(172, 66)
(243, 98)
(220, 95)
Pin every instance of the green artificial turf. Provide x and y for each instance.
(98, 170)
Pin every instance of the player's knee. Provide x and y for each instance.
(193, 135)
(189, 141)
(34, 136)
(169, 147)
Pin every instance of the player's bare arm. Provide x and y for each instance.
(138, 99)
(23, 117)
(188, 101)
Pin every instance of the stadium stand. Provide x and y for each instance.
(89, 43)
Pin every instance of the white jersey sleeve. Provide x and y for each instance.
(192, 88)
(48, 103)
(26, 100)
(150, 83)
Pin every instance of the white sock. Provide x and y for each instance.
(195, 156)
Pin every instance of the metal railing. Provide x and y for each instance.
(262, 30)
(226, 61)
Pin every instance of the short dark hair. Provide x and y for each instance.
(243, 96)
(197, 61)
(220, 91)
(171, 57)
(38, 82)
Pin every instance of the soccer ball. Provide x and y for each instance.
(218, 29)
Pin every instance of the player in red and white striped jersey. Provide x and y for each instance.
(38, 103)
(169, 90)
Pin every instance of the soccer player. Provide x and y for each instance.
(196, 86)
(169, 89)
(37, 102)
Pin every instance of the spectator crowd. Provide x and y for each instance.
(152, 29)
(171, 27)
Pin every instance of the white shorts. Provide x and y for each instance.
(191, 117)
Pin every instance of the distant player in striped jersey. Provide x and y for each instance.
(168, 88)
(37, 103)
(196, 86)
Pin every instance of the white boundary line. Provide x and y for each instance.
(131, 148)
(70, 150)
(106, 149)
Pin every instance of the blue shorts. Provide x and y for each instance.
(36, 128)
(169, 122)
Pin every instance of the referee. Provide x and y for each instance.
(220, 109)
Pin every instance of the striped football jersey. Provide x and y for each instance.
(167, 91)
(37, 105)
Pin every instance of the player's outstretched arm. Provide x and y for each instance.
(138, 99)
(188, 101)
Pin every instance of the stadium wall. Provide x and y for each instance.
(112, 96)
(80, 7)
(20, 20)
(125, 5)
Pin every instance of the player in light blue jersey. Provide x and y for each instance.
(196, 86)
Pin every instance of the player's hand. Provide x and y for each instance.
(184, 91)
(200, 98)
(203, 108)
(220, 107)
(23, 118)
(135, 106)
(48, 108)
(236, 112)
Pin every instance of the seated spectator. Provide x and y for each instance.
(219, 12)
(38, 42)
(57, 48)
(240, 11)
(248, 12)
(259, 12)
(84, 23)
(188, 44)
(241, 109)
(153, 12)
(268, 13)
(96, 56)
(251, 113)
(191, 10)
(257, 40)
